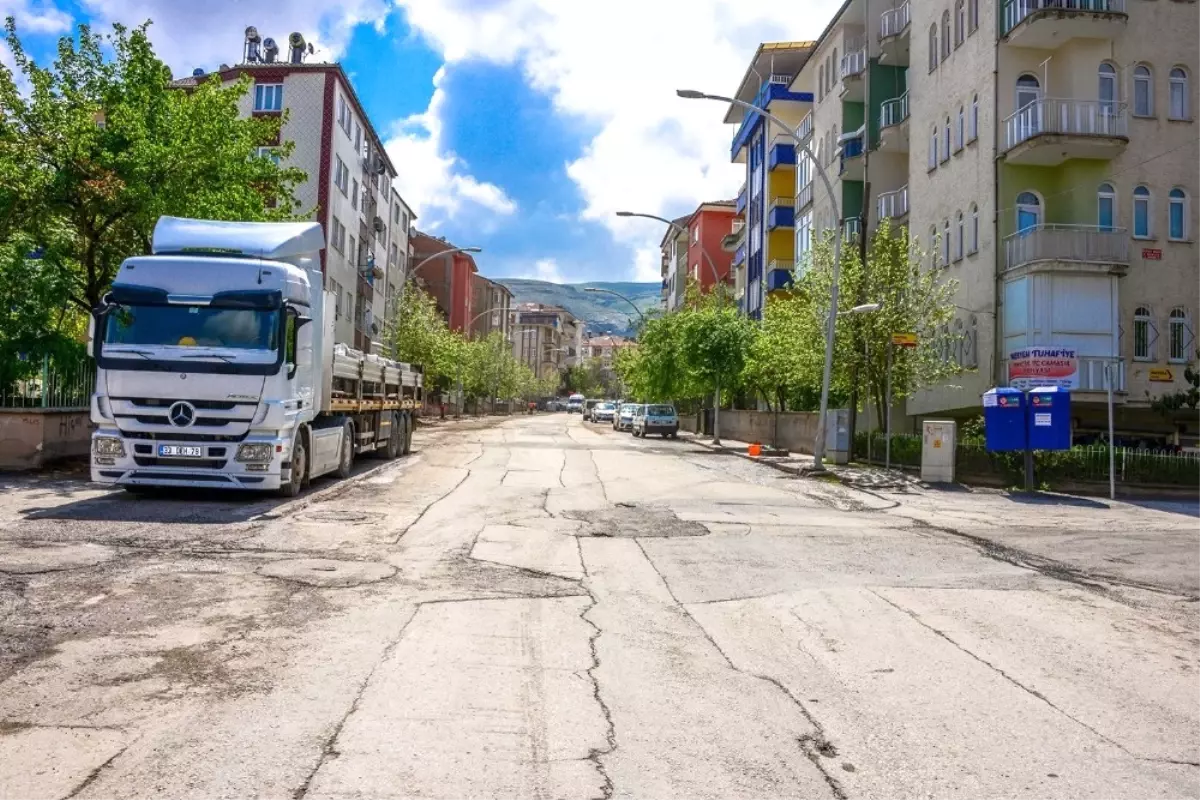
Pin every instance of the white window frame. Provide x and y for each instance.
(268, 97)
(269, 152)
(354, 190)
(974, 247)
(1177, 81)
(1148, 199)
(973, 125)
(345, 117)
(1178, 318)
(1143, 317)
(338, 239)
(353, 252)
(946, 242)
(960, 243)
(358, 137)
(960, 131)
(341, 174)
(1143, 87)
(960, 23)
(973, 15)
(1180, 200)
(946, 142)
(933, 47)
(933, 246)
(1106, 192)
(947, 47)
(934, 137)
(1106, 73)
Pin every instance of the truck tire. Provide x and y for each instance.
(409, 424)
(395, 441)
(346, 452)
(299, 469)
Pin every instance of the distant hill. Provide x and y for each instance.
(603, 313)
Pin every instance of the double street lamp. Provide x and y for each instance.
(831, 326)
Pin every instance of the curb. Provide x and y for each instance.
(799, 472)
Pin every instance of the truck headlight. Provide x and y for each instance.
(110, 446)
(255, 451)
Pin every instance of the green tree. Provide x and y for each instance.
(1170, 404)
(102, 147)
(715, 340)
(417, 333)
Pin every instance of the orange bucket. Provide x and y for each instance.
(755, 449)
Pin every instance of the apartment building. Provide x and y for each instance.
(350, 177)
(765, 258)
(491, 303)
(445, 276)
(546, 338)
(603, 350)
(399, 252)
(1044, 153)
(674, 247)
(692, 250)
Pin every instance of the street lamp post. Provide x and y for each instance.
(819, 445)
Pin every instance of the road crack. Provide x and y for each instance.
(596, 754)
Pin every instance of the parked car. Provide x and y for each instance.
(588, 405)
(623, 420)
(657, 418)
(604, 411)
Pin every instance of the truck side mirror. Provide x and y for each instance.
(291, 342)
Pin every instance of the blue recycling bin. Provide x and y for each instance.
(1049, 418)
(1004, 419)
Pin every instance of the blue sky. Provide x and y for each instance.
(519, 126)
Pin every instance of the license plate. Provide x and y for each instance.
(178, 451)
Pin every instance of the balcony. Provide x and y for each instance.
(776, 89)
(805, 129)
(1068, 248)
(1048, 132)
(854, 64)
(781, 214)
(851, 229)
(804, 197)
(779, 276)
(894, 126)
(740, 206)
(739, 256)
(894, 25)
(782, 154)
(734, 239)
(893, 205)
(1047, 24)
(851, 166)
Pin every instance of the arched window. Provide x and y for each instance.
(960, 132)
(1108, 88)
(945, 34)
(933, 245)
(1141, 213)
(974, 229)
(1177, 215)
(946, 141)
(1143, 341)
(960, 21)
(1029, 212)
(1106, 207)
(974, 118)
(933, 147)
(1179, 94)
(820, 83)
(960, 242)
(974, 15)
(1143, 91)
(1179, 334)
(837, 68)
(945, 243)
(933, 47)
(1029, 108)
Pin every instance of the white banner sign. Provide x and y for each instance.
(1033, 367)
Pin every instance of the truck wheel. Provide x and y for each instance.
(299, 470)
(395, 441)
(408, 424)
(346, 455)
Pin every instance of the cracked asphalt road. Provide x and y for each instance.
(538, 608)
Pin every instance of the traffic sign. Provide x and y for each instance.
(904, 339)
(1162, 374)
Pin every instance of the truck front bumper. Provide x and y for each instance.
(137, 462)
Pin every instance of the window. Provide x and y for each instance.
(960, 133)
(960, 22)
(1179, 94)
(268, 97)
(1177, 215)
(974, 126)
(696, 233)
(357, 137)
(1178, 335)
(354, 193)
(271, 153)
(960, 242)
(933, 147)
(354, 252)
(1143, 91)
(338, 239)
(946, 141)
(821, 82)
(974, 14)
(1029, 212)
(945, 243)
(393, 255)
(1106, 207)
(933, 47)
(343, 114)
(1108, 88)
(837, 65)
(933, 245)
(1141, 334)
(945, 35)
(337, 299)
(974, 248)
(1141, 213)
(341, 174)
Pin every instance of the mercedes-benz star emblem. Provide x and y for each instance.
(181, 414)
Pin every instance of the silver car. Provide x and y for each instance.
(604, 412)
(657, 418)
(623, 420)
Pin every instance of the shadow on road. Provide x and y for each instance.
(1042, 499)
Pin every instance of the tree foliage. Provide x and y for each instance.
(1187, 398)
(101, 147)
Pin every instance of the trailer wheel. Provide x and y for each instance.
(299, 469)
(395, 441)
(346, 455)
(409, 424)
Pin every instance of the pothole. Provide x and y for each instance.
(329, 573)
(339, 515)
(628, 521)
(20, 559)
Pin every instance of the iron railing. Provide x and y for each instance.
(1076, 243)
(1066, 117)
(53, 383)
(893, 205)
(893, 21)
(804, 197)
(854, 61)
(1014, 12)
(851, 228)
(894, 111)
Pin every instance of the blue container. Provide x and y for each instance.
(1049, 419)
(1004, 419)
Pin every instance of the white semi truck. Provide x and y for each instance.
(217, 366)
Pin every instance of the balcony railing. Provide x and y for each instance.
(741, 200)
(894, 111)
(782, 152)
(893, 21)
(1066, 117)
(854, 61)
(1075, 243)
(782, 213)
(1013, 12)
(805, 129)
(851, 228)
(739, 256)
(893, 205)
(804, 197)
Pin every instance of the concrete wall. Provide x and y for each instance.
(30, 438)
(796, 430)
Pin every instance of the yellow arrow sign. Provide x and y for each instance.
(904, 339)
(1162, 374)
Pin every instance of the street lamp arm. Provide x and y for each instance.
(447, 251)
(678, 230)
(617, 294)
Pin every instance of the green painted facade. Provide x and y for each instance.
(883, 83)
(1068, 192)
(852, 198)
(852, 116)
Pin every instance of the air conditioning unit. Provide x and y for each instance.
(378, 225)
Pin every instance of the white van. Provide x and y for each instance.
(575, 404)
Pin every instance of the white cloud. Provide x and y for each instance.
(35, 16)
(547, 269)
(433, 179)
(617, 64)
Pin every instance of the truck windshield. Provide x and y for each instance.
(193, 326)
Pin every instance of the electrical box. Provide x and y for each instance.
(837, 435)
(1004, 419)
(938, 447)
(1049, 417)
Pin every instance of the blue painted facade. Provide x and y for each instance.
(756, 215)
(851, 148)
(781, 217)
(783, 154)
(779, 279)
(741, 201)
(766, 95)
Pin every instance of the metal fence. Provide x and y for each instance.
(53, 383)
